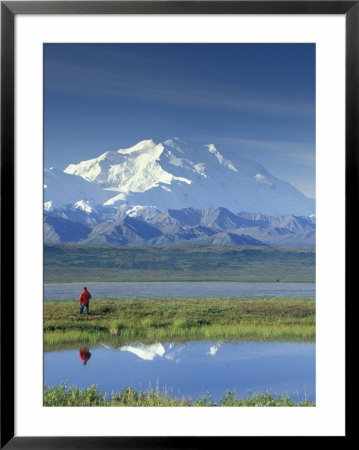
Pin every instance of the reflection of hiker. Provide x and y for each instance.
(84, 300)
(85, 355)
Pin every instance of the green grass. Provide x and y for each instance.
(125, 320)
(105, 263)
(91, 396)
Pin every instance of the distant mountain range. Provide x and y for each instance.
(166, 194)
(145, 226)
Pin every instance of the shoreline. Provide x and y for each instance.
(59, 395)
(159, 319)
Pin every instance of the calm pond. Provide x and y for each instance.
(190, 369)
(194, 289)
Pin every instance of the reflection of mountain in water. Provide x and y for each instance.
(148, 352)
(213, 349)
(167, 351)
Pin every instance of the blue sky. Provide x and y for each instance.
(257, 99)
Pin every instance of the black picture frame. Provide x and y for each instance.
(9, 9)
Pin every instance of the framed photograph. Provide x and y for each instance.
(176, 179)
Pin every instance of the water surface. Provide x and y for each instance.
(192, 289)
(190, 369)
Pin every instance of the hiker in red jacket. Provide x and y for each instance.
(84, 300)
(85, 355)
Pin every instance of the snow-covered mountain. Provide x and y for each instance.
(165, 193)
(62, 189)
(174, 175)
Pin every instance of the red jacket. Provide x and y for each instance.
(84, 297)
(85, 355)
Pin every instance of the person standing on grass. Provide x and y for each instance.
(84, 300)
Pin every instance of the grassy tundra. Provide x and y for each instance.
(105, 263)
(178, 319)
(90, 396)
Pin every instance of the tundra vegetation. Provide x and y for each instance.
(148, 320)
(105, 263)
(91, 396)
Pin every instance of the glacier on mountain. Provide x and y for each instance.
(173, 175)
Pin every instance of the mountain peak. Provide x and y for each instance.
(144, 145)
(175, 175)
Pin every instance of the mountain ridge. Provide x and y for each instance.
(166, 193)
(219, 226)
